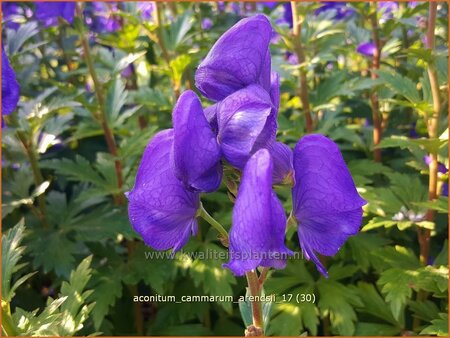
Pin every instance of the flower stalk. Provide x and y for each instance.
(424, 235)
(299, 51)
(208, 218)
(433, 129)
(101, 117)
(255, 291)
(376, 116)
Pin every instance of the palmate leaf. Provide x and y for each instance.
(115, 99)
(209, 273)
(401, 85)
(338, 301)
(12, 252)
(438, 327)
(375, 305)
(63, 316)
(396, 284)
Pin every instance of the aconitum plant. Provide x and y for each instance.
(238, 130)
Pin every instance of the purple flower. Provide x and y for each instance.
(196, 153)
(160, 208)
(100, 17)
(387, 8)
(270, 4)
(207, 24)
(146, 9)
(233, 63)
(10, 87)
(441, 166)
(340, 9)
(246, 123)
(326, 205)
(287, 16)
(259, 223)
(283, 169)
(366, 48)
(444, 191)
(49, 12)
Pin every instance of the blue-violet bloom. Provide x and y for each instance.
(326, 204)
(49, 12)
(233, 63)
(366, 48)
(10, 87)
(196, 153)
(160, 208)
(246, 123)
(259, 223)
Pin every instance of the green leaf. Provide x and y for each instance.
(108, 287)
(178, 66)
(438, 327)
(44, 244)
(12, 252)
(425, 310)
(375, 329)
(338, 301)
(396, 284)
(115, 100)
(401, 85)
(374, 304)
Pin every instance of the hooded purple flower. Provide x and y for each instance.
(233, 62)
(340, 9)
(196, 153)
(160, 208)
(366, 48)
(49, 12)
(10, 87)
(259, 223)
(246, 123)
(326, 205)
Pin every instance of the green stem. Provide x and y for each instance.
(376, 116)
(299, 51)
(208, 218)
(255, 291)
(8, 326)
(102, 117)
(424, 235)
(37, 175)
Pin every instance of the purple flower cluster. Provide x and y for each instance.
(239, 128)
(10, 87)
(48, 13)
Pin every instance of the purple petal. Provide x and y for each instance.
(282, 163)
(211, 116)
(196, 152)
(10, 87)
(259, 223)
(48, 12)
(287, 16)
(160, 208)
(326, 204)
(234, 63)
(366, 48)
(441, 166)
(275, 90)
(247, 122)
